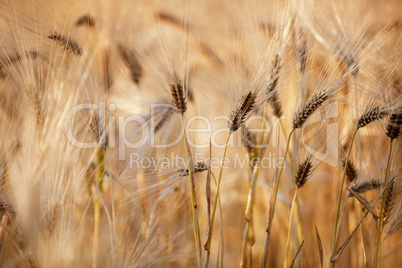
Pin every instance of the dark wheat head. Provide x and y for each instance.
(97, 131)
(198, 168)
(9, 60)
(66, 43)
(366, 185)
(394, 125)
(248, 139)
(308, 109)
(132, 62)
(303, 172)
(85, 20)
(351, 172)
(389, 201)
(271, 89)
(370, 116)
(178, 96)
(239, 115)
(164, 119)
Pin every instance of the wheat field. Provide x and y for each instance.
(200, 133)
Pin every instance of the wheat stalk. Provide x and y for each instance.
(386, 202)
(303, 173)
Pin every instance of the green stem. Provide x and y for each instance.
(381, 220)
(208, 246)
(285, 265)
(272, 206)
(196, 223)
(335, 233)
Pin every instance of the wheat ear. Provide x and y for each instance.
(67, 43)
(239, 115)
(309, 108)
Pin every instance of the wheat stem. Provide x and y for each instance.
(377, 254)
(272, 205)
(335, 233)
(196, 223)
(113, 212)
(342, 211)
(97, 204)
(359, 150)
(208, 246)
(220, 247)
(290, 227)
(292, 171)
(298, 222)
(248, 215)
